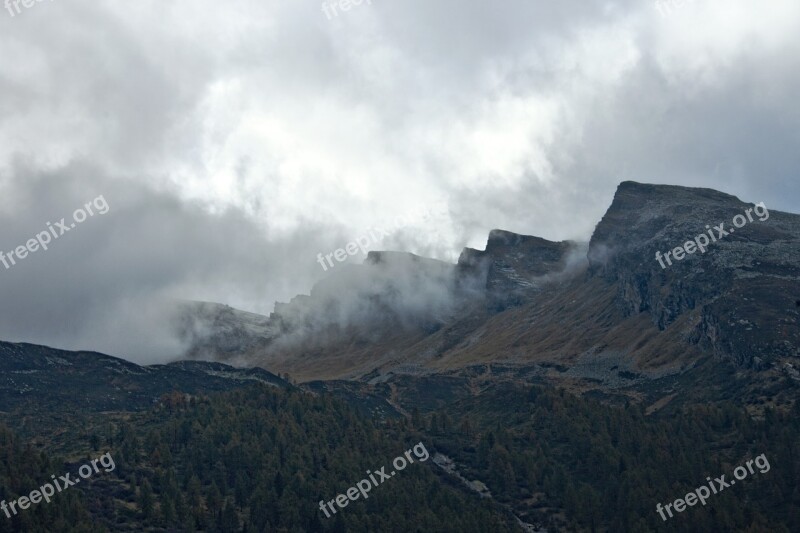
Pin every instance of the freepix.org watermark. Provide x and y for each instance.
(47, 491)
(701, 241)
(365, 485)
(702, 493)
(43, 239)
(375, 235)
(329, 8)
(13, 5)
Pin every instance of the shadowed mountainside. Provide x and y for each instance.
(47, 378)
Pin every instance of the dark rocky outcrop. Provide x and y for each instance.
(743, 285)
(514, 265)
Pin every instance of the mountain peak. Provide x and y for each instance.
(501, 238)
(401, 259)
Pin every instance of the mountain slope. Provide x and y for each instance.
(38, 377)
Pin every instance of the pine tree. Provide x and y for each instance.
(146, 499)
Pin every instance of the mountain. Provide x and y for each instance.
(602, 316)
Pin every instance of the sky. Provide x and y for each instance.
(234, 142)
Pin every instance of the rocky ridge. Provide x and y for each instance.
(605, 313)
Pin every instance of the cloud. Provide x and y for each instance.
(234, 142)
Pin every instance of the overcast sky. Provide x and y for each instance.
(234, 141)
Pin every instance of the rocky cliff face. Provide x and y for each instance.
(512, 266)
(742, 286)
(211, 329)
